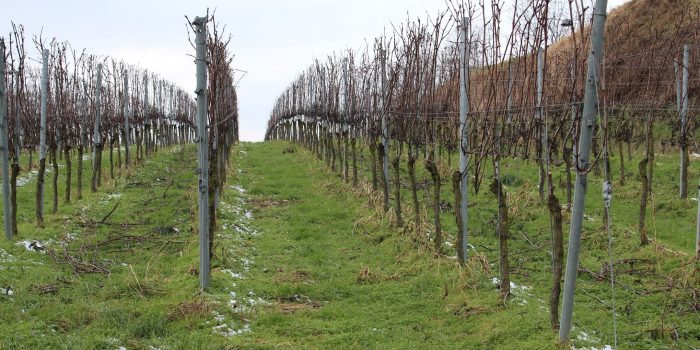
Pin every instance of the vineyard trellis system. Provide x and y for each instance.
(76, 101)
(533, 90)
(216, 125)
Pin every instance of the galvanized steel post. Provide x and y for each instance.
(200, 25)
(683, 178)
(42, 127)
(4, 145)
(588, 120)
(127, 156)
(464, 53)
(385, 125)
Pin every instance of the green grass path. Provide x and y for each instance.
(105, 280)
(303, 261)
(335, 284)
(335, 274)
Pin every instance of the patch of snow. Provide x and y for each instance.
(248, 303)
(111, 196)
(235, 221)
(25, 179)
(246, 263)
(219, 317)
(589, 218)
(238, 188)
(115, 342)
(522, 294)
(587, 338)
(6, 257)
(583, 336)
(35, 246)
(227, 329)
(245, 230)
(233, 273)
(7, 260)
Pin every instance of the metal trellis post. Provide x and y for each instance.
(385, 126)
(42, 128)
(98, 116)
(127, 156)
(544, 154)
(463, 132)
(4, 145)
(588, 121)
(200, 24)
(683, 178)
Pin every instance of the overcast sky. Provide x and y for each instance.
(273, 40)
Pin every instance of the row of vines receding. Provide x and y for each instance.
(399, 98)
(71, 106)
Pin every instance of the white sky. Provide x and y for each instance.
(273, 40)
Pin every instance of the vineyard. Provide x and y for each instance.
(497, 175)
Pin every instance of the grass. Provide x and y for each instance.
(303, 260)
(365, 284)
(149, 296)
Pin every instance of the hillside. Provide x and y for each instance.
(642, 40)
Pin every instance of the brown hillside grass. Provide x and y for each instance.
(642, 40)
